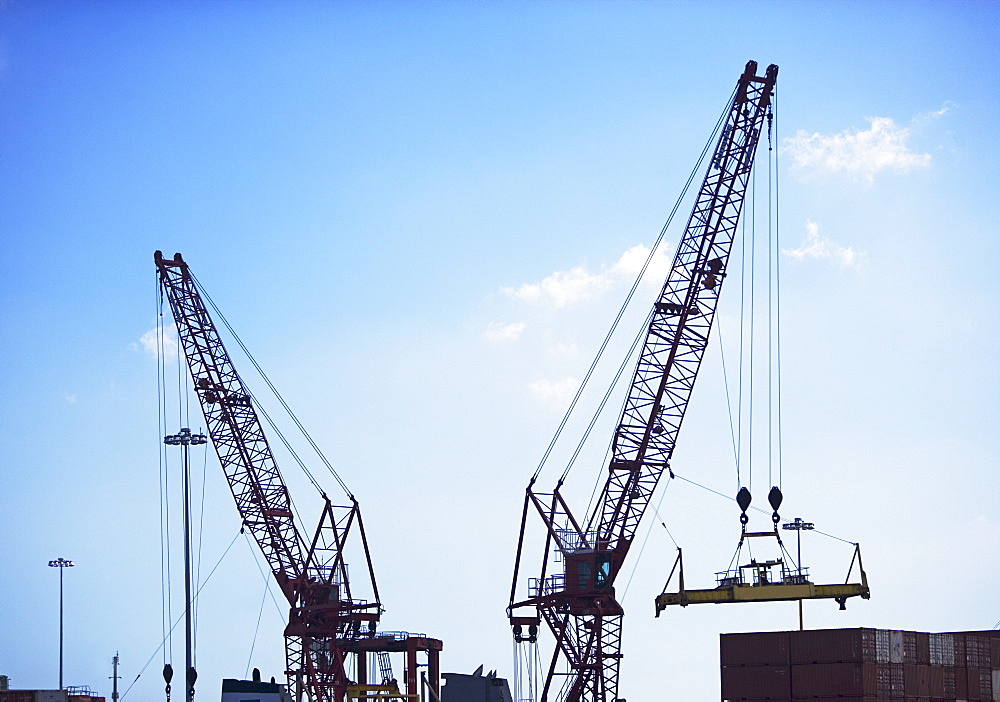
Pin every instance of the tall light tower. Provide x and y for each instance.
(61, 564)
(186, 439)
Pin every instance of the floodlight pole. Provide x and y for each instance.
(798, 526)
(185, 439)
(61, 564)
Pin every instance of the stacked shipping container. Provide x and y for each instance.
(45, 696)
(861, 665)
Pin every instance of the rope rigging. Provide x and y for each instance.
(281, 400)
(628, 298)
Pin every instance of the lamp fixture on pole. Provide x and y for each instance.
(186, 439)
(61, 564)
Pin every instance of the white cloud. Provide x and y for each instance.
(565, 287)
(630, 263)
(564, 350)
(818, 247)
(883, 146)
(557, 393)
(498, 332)
(561, 288)
(148, 342)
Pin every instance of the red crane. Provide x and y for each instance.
(578, 605)
(326, 623)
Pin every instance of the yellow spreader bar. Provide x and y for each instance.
(772, 592)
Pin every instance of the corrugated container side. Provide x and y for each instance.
(761, 648)
(975, 687)
(833, 679)
(995, 654)
(882, 645)
(909, 647)
(756, 682)
(946, 643)
(841, 698)
(973, 646)
(895, 646)
(923, 648)
(833, 646)
(935, 681)
(897, 685)
(883, 680)
(950, 683)
(995, 679)
(17, 696)
(986, 684)
(961, 684)
(916, 680)
(959, 640)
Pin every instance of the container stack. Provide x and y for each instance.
(860, 665)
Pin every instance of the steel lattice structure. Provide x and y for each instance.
(578, 605)
(326, 624)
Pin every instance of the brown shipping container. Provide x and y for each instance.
(833, 646)
(833, 679)
(883, 680)
(950, 683)
(961, 684)
(973, 648)
(896, 682)
(986, 685)
(916, 680)
(975, 689)
(756, 682)
(909, 647)
(959, 650)
(942, 649)
(843, 698)
(923, 648)
(935, 681)
(16, 696)
(760, 648)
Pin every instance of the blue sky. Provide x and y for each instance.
(415, 215)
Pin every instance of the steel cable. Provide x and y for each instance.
(631, 293)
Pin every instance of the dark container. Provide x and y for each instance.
(975, 693)
(833, 646)
(839, 698)
(17, 696)
(833, 679)
(923, 648)
(961, 684)
(897, 684)
(973, 650)
(950, 683)
(986, 684)
(756, 682)
(909, 647)
(959, 650)
(759, 648)
(916, 680)
(883, 681)
(935, 681)
(993, 635)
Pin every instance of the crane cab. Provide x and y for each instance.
(588, 572)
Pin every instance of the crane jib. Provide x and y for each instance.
(578, 605)
(325, 624)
